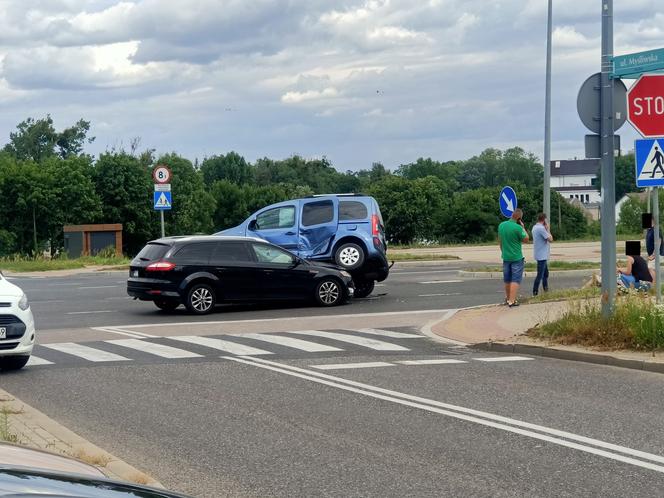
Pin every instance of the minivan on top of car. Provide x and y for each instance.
(344, 229)
(202, 271)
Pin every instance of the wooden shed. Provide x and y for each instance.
(89, 240)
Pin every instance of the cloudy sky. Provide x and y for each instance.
(358, 81)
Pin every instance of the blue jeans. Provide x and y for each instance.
(630, 281)
(542, 276)
(513, 271)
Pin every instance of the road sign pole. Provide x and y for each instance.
(163, 229)
(655, 219)
(546, 196)
(607, 164)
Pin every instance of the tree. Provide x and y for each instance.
(231, 167)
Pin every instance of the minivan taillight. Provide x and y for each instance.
(375, 222)
(160, 266)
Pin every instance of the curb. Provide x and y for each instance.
(560, 354)
(496, 275)
(31, 428)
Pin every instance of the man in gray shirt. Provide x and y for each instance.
(542, 239)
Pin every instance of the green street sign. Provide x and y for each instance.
(632, 66)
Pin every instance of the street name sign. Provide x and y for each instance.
(161, 174)
(634, 65)
(162, 201)
(645, 105)
(649, 157)
(162, 187)
(507, 201)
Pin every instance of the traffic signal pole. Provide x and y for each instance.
(608, 213)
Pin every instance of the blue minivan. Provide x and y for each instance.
(344, 229)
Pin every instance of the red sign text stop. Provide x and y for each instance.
(645, 105)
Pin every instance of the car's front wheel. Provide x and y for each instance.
(363, 289)
(167, 305)
(13, 362)
(329, 292)
(200, 299)
(349, 256)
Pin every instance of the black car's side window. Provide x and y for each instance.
(195, 253)
(281, 217)
(230, 252)
(270, 254)
(316, 213)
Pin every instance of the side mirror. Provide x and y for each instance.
(252, 225)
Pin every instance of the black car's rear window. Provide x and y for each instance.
(153, 251)
(195, 253)
(352, 210)
(231, 252)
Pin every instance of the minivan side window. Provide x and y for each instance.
(281, 217)
(315, 213)
(230, 252)
(271, 254)
(195, 253)
(352, 210)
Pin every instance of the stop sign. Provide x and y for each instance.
(645, 105)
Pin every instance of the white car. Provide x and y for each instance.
(17, 326)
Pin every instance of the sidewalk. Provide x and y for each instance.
(500, 329)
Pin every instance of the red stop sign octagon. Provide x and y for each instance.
(645, 105)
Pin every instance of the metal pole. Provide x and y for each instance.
(655, 219)
(607, 165)
(547, 120)
(163, 230)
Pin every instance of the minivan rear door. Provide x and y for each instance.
(318, 225)
(276, 224)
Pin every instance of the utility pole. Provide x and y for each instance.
(546, 196)
(607, 164)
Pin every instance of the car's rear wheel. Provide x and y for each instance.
(349, 256)
(13, 362)
(363, 289)
(200, 299)
(167, 305)
(329, 292)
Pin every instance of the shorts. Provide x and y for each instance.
(513, 271)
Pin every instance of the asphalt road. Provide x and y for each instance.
(96, 300)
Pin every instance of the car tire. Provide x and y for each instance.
(363, 289)
(349, 256)
(167, 305)
(13, 362)
(329, 292)
(200, 299)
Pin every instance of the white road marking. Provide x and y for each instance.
(311, 347)
(353, 339)
(85, 352)
(443, 294)
(155, 349)
(441, 282)
(99, 287)
(221, 345)
(36, 361)
(342, 366)
(120, 332)
(585, 444)
(390, 333)
(504, 358)
(439, 361)
(89, 312)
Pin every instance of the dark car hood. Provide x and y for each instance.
(321, 264)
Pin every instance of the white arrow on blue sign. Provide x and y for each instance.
(162, 201)
(507, 201)
(649, 157)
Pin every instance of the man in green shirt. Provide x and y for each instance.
(511, 235)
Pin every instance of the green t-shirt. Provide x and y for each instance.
(511, 237)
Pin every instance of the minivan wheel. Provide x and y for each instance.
(363, 289)
(167, 305)
(329, 292)
(349, 256)
(200, 299)
(13, 362)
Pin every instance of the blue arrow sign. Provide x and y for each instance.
(649, 156)
(162, 201)
(507, 201)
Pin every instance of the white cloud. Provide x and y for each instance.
(309, 95)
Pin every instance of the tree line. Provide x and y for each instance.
(47, 181)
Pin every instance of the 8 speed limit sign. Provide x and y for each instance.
(161, 174)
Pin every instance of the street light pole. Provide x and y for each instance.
(546, 196)
(607, 164)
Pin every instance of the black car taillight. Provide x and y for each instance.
(160, 266)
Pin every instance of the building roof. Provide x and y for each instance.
(575, 167)
(576, 188)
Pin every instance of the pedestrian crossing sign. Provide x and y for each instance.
(162, 201)
(649, 155)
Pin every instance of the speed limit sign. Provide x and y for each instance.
(161, 174)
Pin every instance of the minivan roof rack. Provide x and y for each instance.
(350, 194)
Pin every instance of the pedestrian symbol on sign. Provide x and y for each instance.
(162, 200)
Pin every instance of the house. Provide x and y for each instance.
(576, 179)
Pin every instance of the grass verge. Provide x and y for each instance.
(421, 257)
(553, 265)
(637, 324)
(564, 295)
(25, 264)
(6, 433)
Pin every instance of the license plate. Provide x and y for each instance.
(3, 332)
(134, 273)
